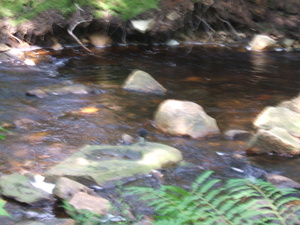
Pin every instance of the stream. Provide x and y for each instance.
(233, 85)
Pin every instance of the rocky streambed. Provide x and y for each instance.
(71, 99)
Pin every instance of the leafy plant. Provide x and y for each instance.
(209, 201)
(2, 210)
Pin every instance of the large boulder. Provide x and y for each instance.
(276, 140)
(184, 118)
(141, 81)
(20, 188)
(107, 165)
(280, 117)
(278, 130)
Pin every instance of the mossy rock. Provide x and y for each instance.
(107, 165)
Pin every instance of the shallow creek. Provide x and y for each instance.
(232, 85)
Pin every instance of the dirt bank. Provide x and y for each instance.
(180, 19)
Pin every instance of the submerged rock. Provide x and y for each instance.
(60, 89)
(184, 118)
(19, 187)
(141, 81)
(107, 165)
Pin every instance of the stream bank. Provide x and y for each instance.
(223, 22)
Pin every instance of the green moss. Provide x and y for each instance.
(21, 10)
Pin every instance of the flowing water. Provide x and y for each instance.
(232, 85)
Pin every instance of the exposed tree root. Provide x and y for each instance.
(79, 17)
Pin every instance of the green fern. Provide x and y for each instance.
(209, 201)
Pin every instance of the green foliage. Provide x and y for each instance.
(209, 201)
(2, 210)
(21, 10)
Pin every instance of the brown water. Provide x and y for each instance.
(232, 85)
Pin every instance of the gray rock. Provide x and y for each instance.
(277, 140)
(18, 187)
(66, 188)
(141, 81)
(107, 165)
(184, 118)
(282, 181)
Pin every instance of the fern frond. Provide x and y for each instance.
(239, 201)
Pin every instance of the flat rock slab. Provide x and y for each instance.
(106, 165)
(18, 187)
